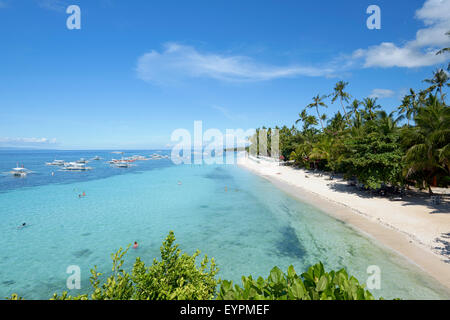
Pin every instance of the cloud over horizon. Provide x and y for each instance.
(26, 142)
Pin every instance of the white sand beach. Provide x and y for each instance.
(411, 226)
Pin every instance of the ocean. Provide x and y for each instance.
(240, 219)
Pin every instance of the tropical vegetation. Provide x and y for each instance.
(179, 277)
(364, 142)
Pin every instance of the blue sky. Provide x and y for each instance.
(137, 70)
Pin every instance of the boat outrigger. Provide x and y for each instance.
(20, 172)
(55, 163)
(75, 166)
(82, 160)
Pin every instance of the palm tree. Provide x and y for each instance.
(440, 79)
(316, 104)
(339, 93)
(370, 105)
(354, 107)
(428, 153)
(306, 119)
(387, 123)
(405, 108)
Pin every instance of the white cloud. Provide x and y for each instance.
(54, 5)
(419, 52)
(180, 61)
(382, 93)
(26, 141)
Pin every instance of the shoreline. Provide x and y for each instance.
(378, 218)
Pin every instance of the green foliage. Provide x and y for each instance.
(369, 144)
(178, 277)
(428, 144)
(315, 284)
(374, 157)
(175, 277)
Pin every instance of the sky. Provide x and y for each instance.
(138, 70)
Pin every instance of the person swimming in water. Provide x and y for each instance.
(22, 226)
(135, 245)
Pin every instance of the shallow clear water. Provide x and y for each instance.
(241, 220)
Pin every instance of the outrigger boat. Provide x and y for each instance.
(55, 163)
(122, 164)
(75, 166)
(20, 172)
(82, 160)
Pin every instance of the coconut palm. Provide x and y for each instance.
(429, 143)
(341, 94)
(306, 119)
(406, 108)
(354, 107)
(318, 102)
(387, 123)
(370, 106)
(440, 79)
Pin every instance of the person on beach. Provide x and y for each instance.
(135, 245)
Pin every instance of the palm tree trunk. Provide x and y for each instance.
(345, 112)
(318, 114)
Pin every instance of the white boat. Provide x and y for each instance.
(96, 158)
(82, 160)
(55, 163)
(19, 172)
(139, 158)
(122, 164)
(75, 166)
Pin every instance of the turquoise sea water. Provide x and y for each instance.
(240, 219)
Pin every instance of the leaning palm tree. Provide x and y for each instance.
(341, 94)
(440, 79)
(318, 102)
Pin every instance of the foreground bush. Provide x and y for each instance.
(178, 277)
(315, 284)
